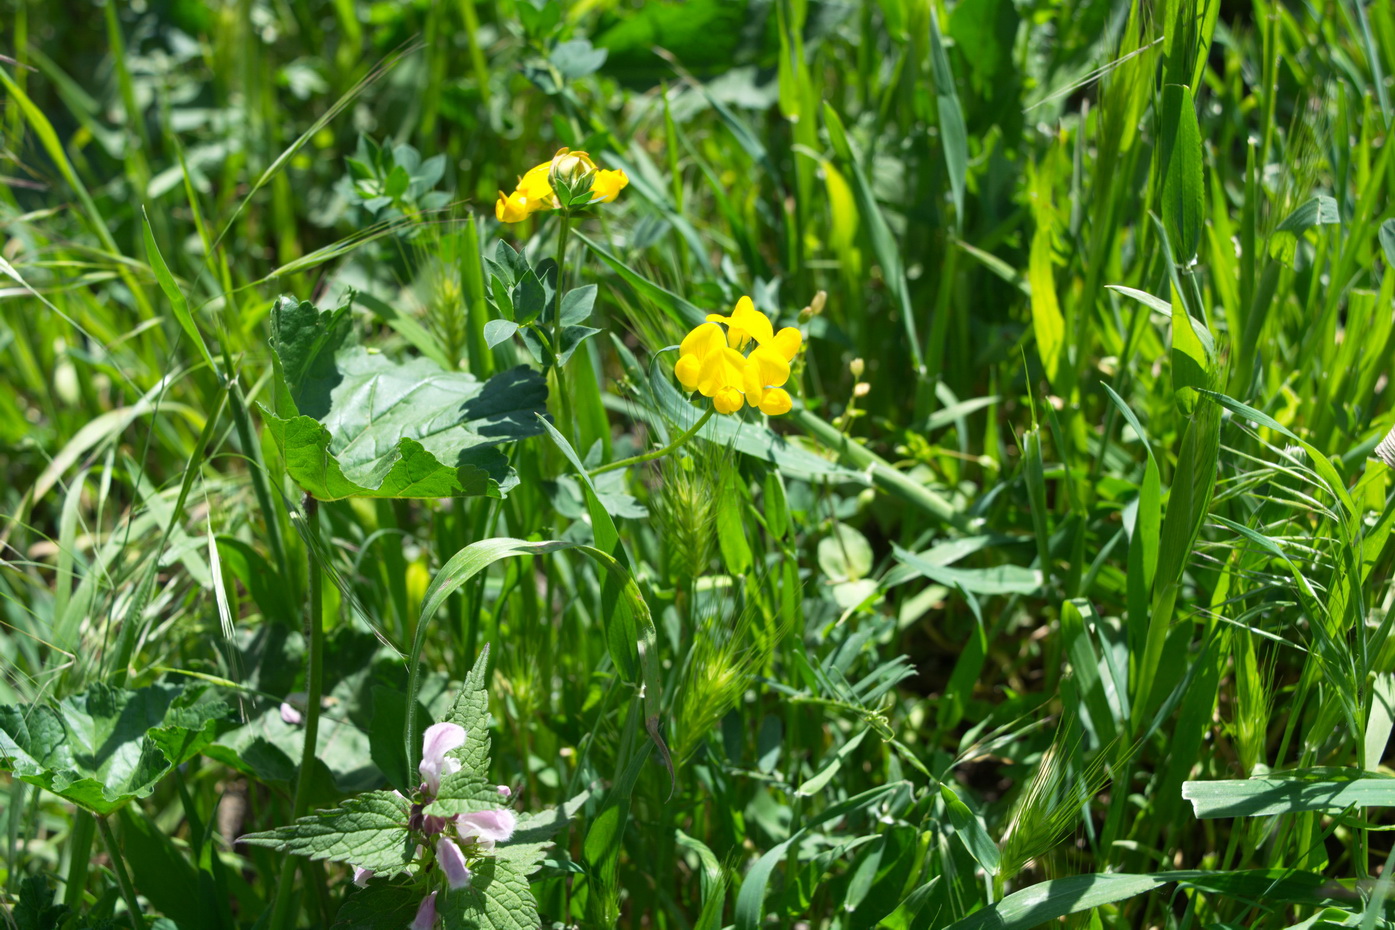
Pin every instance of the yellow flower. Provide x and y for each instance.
(535, 189)
(711, 362)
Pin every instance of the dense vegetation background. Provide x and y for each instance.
(1066, 589)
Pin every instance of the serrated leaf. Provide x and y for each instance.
(358, 424)
(369, 831)
(471, 711)
(105, 746)
(497, 899)
(497, 331)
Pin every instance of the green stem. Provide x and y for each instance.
(660, 453)
(80, 853)
(563, 403)
(314, 688)
(123, 879)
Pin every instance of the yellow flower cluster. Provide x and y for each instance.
(711, 362)
(534, 191)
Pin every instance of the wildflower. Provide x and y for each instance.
(361, 876)
(487, 827)
(536, 190)
(291, 708)
(711, 362)
(505, 791)
(426, 914)
(452, 862)
(439, 739)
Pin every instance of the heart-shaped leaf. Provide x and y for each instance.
(355, 423)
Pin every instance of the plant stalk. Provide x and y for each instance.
(660, 453)
(563, 402)
(314, 687)
(123, 878)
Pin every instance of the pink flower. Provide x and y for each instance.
(426, 914)
(505, 791)
(439, 739)
(291, 707)
(361, 876)
(487, 827)
(452, 862)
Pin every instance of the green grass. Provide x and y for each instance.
(1065, 591)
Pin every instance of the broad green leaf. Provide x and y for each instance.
(357, 424)
(534, 834)
(1048, 323)
(369, 831)
(1321, 210)
(1179, 166)
(1263, 797)
(105, 746)
(497, 898)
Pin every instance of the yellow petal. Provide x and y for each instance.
(702, 341)
(787, 342)
(776, 402)
(534, 185)
(606, 186)
(748, 323)
(727, 400)
(765, 368)
(511, 208)
(724, 368)
(687, 370)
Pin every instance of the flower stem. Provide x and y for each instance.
(314, 688)
(660, 453)
(123, 878)
(563, 402)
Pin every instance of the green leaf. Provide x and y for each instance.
(952, 132)
(1319, 211)
(369, 831)
(999, 579)
(1179, 165)
(577, 304)
(572, 338)
(1263, 797)
(845, 554)
(105, 746)
(970, 831)
(1387, 243)
(178, 302)
(529, 297)
(576, 58)
(380, 906)
(497, 898)
(499, 331)
(534, 834)
(1193, 353)
(35, 909)
(357, 424)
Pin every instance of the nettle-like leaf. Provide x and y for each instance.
(369, 831)
(105, 746)
(380, 906)
(351, 422)
(498, 899)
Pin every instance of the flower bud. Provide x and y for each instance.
(452, 862)
(861, 388)
(426, 914)
(856, 366)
